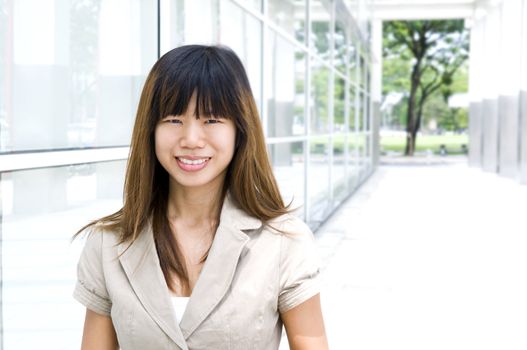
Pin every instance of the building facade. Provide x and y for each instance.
(71, 72)
(498, 88)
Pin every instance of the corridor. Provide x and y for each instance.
(427, 255)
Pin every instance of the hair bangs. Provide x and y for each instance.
(216, 88)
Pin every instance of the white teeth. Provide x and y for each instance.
(192, 162)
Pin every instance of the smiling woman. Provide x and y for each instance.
(204, 253)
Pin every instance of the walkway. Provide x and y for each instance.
(427, 257)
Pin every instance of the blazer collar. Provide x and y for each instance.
(141, 265)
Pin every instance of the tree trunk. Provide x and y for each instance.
(411, 117)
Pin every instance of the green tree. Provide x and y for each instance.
(434, 50)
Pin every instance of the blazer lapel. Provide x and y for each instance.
(141, 264)
(220, 266)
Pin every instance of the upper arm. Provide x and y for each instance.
(304, 325)
(99, 333)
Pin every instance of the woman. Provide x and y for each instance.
(204, 254)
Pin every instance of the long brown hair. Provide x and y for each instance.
(222, 89)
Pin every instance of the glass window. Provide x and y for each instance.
(41, 210)
(254, 4)
(319, 97)
(290, 16)
(340, 56)
(288, 168)
(320, 29)
(339, 172)
(353, 63)
(319, 180)
(362, 69)
(285, 88)
(353, 108)
(339, 104)
(353, 161)
(81, 64)
(243, 33)
(179, 26)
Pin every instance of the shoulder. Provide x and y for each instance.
(289, 227)
(97, 237)
(296, 238)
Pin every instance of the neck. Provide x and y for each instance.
(194, 206)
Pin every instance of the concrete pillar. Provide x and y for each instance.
(510, 66)
(490, 114)
(523, 98)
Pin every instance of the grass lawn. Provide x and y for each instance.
(453, 143)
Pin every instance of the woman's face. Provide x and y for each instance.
(195, 152)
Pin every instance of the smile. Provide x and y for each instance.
(192, 164)
(192, 161)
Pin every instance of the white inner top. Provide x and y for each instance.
(180, 305)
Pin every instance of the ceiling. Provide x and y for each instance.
(426, 9)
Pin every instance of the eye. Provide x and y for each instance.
(172, 120)
(212, 121)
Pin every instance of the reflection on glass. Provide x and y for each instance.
(81, 64)
(290, 16)
(254, 4)
(340, 56)
(243, 33)
(319, 97)
(353, 63)
(339, 104)
(179, 26)
(319, 179)
(288, 168)
(285, 88)
(339, 174)
(353, 108)
(41, 209)
(320, 33)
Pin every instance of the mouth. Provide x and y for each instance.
(192, 163)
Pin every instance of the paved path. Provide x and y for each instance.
(427, 257)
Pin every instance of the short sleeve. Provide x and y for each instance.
(90, 289)
(299, 266)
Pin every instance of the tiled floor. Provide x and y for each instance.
(427, 255)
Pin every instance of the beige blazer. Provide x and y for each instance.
(251, 275)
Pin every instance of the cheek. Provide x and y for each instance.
(159, 143)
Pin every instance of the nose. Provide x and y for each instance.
(193, 135)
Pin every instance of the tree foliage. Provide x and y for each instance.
(425, 56)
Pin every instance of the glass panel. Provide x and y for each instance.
(353, 165)
(5, 107)
(254, 4)
(285, 88)
(320, 33)
(82, 65)
(288, 168)
(289, 15)
(353, 63)
(41, 209)
(340, 186)
(339, 99)
(319, 180)
(319, 98)
(360, 111)
(243, 33)
(353, 101)
(179, 25)
(341, 48)
(361, 71)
